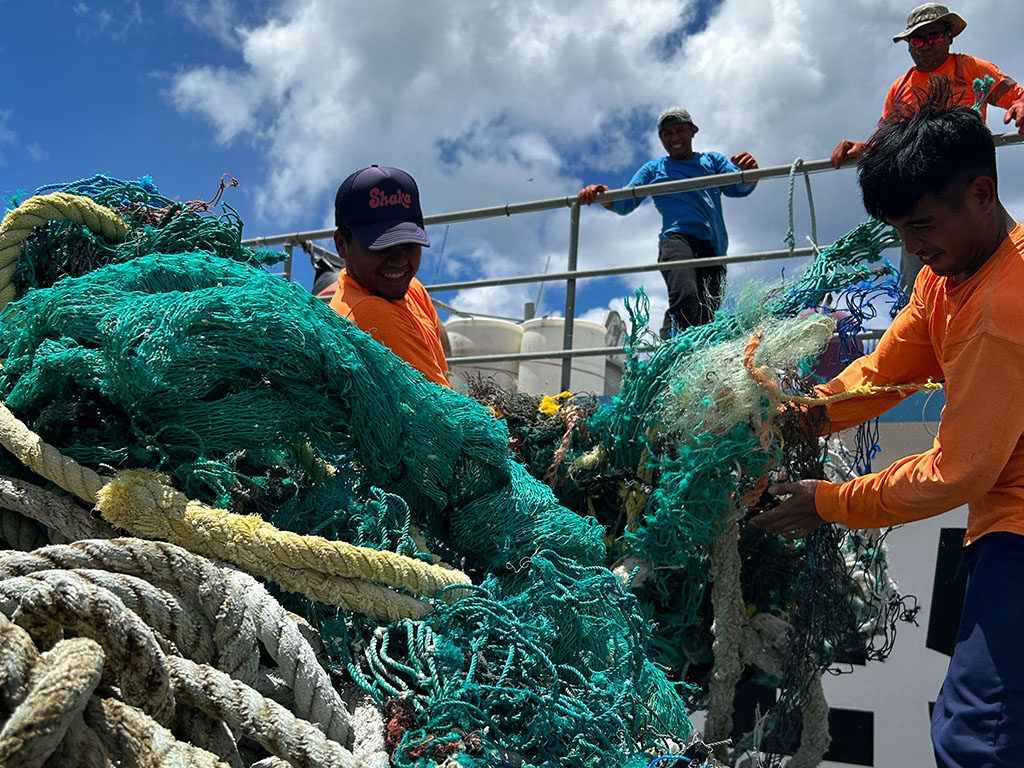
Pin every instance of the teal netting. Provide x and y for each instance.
(176, 351)
(688, 446)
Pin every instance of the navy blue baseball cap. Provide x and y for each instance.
(381, 206)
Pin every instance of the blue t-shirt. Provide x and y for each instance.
(698, 212)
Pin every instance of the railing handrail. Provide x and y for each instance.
(533, 206)
(588, 352)
(579, 274)
(571, 275)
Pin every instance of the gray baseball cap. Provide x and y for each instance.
(674, 115)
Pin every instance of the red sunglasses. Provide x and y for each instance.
(920, 41)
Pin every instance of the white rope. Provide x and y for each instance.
(57, 513)
(141, 608)
(727, 602)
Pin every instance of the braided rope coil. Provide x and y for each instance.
(58, 206)
(57, 703)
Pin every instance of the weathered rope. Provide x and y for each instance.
(237, 610)
(58, 513)
(727, 603)
(790, 238)
(124, 730)
(143, 503)
(255, 716)
(58, 206)
(19, 532)
(368, 725)
(51, 599)
(765, 638)
(45, 460)
(56, 703)
(815, 738)
(56, 697)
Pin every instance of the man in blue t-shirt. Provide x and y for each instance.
(692, 224)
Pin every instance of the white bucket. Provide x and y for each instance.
(484, 336)
(544, 377)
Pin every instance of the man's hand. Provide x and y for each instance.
(795, 517)
(1016, 113)
(847, 150)
(744, 161)
(588, 194)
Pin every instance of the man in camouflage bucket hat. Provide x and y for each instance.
(930, 31)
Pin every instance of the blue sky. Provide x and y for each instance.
(484, 102)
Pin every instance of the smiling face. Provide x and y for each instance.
(952, 233)
(678, 140)
(934, 40)
(385, 273)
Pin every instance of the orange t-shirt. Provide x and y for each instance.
(961, 70)
(971, 335)
(409, 326)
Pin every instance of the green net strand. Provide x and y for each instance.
(572, 631)
(982, 86)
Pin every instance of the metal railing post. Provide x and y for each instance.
(287, 271)
(570, 292)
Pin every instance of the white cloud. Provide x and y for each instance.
(116, 21)
(36, 152)
(7, 136)
(225, 97)
(215, 17)
(488, 103)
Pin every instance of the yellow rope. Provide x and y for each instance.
(58, 206)
(143, 502)
(864, 389)
(378, 603)
(45, 460)
(334, 572)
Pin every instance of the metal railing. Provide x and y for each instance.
(572, 274)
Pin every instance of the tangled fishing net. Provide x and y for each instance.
(158, 380)
(674, 467)
(513, 581)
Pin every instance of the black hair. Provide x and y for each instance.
(935, 149)
(345, 232)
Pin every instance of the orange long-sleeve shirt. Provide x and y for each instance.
(972, 335)
(409, 326)
(961, 70)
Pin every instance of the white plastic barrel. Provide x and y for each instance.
(544, 377)
(484, 336)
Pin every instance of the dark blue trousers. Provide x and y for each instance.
(978, 720)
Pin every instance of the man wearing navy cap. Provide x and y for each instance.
(380, 237)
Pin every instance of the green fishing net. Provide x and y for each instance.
(177, 351)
